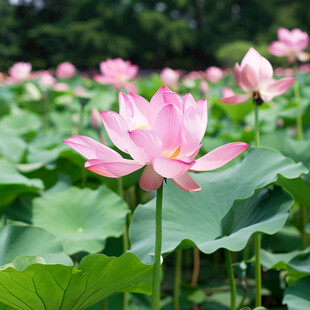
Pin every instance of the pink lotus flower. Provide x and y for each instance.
(227, 92)
(170, 77)
(163, 135)
(117, 72)
(20, 71)
(95, 119)
(204, 86)
(61, 87)
(290, 44)
(65, 70)
(255, 77)
(46, 79)
(214, 74)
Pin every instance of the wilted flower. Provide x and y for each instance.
(65, 70)
(20, 71)
(290, 44)
(214, 74)
(117, 72)
(164, 135)
(170, 77)
(255, 77)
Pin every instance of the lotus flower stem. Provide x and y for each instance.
(105, 304)
(158, 241)
(256, 125)
(177, 280)
(231, 277)
(196, 268)
(258, 273)
(257, 239)
(304, 217)
(120, 187)
(299, 110)
(45, 112)
(81, 119)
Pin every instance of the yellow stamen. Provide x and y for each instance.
(144, 126)
(118, 75)
(176, 153)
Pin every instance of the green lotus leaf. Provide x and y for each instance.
(81, 219)
(19, 239)
(42, 286)
(297, 297)
(219, 216)
(20, 123)
(11, 147)
(13, 184)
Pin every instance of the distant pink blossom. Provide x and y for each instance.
(284, 71)
(65, 70)
(214, 74)
(61, 87)
(20, 71)
(117, 72)
(304, 68)
(255, 77)
(204, 86)
(227, 92)
(163, 135)
(194, 75)
(80, 91)
(190, 78)
(95, 119)
(170, 77)
(290, 44)
(46, 79)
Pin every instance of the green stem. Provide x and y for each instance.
(256, 125)
(177, 279)
(231, 277)
(257, 238)
(120, 187)
(304, 219)
(158, 241)
(105, 304)
(81, 120)
(45, 112)
(196, 268)
(299, 110)
(258, 272)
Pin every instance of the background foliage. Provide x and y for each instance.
(183, 34)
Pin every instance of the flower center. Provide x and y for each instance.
(144, 126)
(176, 153)
(119, 75)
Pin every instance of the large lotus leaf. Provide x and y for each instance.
(81, 219)
(297, 296)
(294, 259)
(11, 147)
(298, 150)
(38, 155)
(18, 239)
(49, 287)
(20, 123)
(13, 184)
(214, 218)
